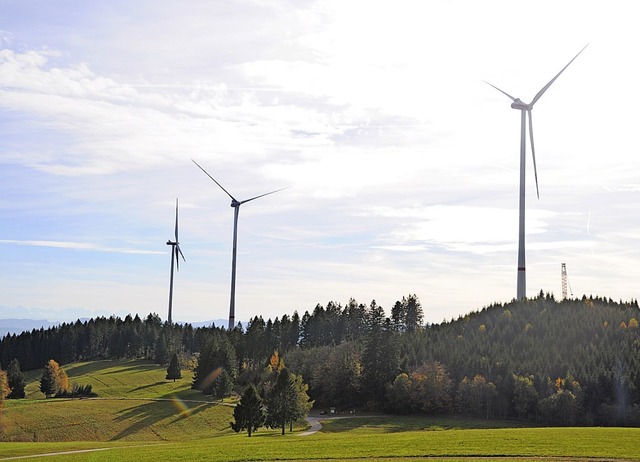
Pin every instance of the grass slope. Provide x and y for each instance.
(504, 444)
(141, 417)
(134, 402)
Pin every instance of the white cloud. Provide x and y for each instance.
(78, 246)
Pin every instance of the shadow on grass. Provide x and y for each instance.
(75, 370)
(145, 416)
(137, 367)
(151, 385)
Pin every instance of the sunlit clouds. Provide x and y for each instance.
(401, 164)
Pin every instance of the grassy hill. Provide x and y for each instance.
(134, 402)
(139, 416)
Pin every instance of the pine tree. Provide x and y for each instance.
(249, 413)
(380, 360)
(217, 353)
(282, 401)
(221, 387)
(173, 371)
(15, 377)
(414, 316)
(161, 349)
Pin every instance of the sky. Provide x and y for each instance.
(401, 164)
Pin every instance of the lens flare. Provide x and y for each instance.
(208, 380)
(180, 406)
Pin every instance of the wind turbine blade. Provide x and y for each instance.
(179, 251)
(177, 220)
(546, 87)
(214, 180)
(501, 91)
(262, 195)
(533, 152)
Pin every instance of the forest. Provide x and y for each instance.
(569, 362)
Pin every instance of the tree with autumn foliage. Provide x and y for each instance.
(4, 387)
(54, 380)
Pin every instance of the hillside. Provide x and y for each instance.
(586, 351)
(569, 362)
(134, 403)
(585, 338)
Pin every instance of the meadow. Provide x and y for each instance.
(139, 416)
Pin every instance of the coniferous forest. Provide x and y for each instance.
(569, 362)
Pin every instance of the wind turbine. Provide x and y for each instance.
(236, 210)
(525, 110)
(175, 261)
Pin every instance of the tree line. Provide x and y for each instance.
(568, 362)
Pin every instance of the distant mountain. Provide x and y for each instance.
(17, 326)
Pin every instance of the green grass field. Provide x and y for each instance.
(163, 420)
(134, 402)
(488, 444)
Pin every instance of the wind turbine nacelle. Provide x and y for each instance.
(518, 104)
(234, 203)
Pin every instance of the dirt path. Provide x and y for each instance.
(316, 426)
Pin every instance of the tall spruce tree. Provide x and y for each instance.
(380, 359)
(15, 377)
(282, 401)
(217, 354)
(414, 316)
(249, 413)
(173, 371)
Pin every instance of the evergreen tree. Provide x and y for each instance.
(161, 349)
(173, 371)
(399, 315)
(282, 401)
(217, 354)
(221, 387)
(16, 381)
(249, 413)
(414, 316)
(380, 357)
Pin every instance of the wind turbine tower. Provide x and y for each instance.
(525, 111)
(176, 252)
(236, 211)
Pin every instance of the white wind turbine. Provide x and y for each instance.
(525, 110)
(236, 210)
(176, 252)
